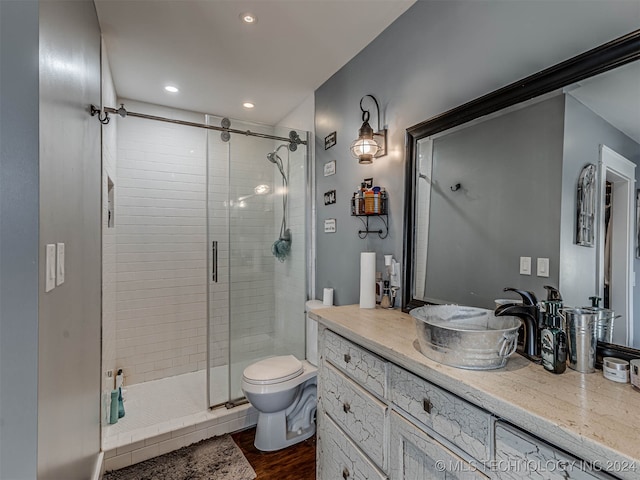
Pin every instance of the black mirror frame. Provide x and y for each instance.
(610, 55)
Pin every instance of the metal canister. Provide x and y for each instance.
(580, 328)
(635, 373)
(603, 328)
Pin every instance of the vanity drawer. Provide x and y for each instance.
(367, 369)
(462, 423)
(357, 412)
(339, 458)
(520, 455)
(415, 455)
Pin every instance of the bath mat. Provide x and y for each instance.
(217, 458)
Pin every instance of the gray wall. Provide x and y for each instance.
(433, 58)
(19, 176)
(510, 169)
(49, 192)
(70, 212)
(584, 133)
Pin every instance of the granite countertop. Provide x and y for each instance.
(585, 414)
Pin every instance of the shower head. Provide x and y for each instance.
(273, 157)
(282, 246)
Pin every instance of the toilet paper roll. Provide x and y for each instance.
(327, 297)
(367, 280)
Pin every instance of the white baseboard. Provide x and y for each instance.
(97, 470)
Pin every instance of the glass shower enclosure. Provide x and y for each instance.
(255, 299)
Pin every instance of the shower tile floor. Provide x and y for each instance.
(167, 414)
(168, 405)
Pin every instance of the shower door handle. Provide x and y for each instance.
(214, 261)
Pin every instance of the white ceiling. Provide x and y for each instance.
(218, 62)
(615, 96)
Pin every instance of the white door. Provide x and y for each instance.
(620, 172)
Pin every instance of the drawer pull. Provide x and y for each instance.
(347, 358)
(426, 405)
(346, 407)
(345, 473)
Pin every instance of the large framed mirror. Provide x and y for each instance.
(492, 191)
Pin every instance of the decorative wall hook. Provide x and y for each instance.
(102, 119)
(586, 207)
(455, 188)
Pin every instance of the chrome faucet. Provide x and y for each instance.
(529, 312)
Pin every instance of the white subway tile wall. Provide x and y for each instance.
(161, 246)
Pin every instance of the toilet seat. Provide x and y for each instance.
(273, 370)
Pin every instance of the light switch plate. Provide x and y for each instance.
(543, 267)
(50, 267)
(525, 265)
(60, 264)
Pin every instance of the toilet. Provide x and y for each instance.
(283, 391)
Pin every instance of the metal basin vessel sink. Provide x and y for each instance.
(465, 337)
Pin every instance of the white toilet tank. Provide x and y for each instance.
(312, 331)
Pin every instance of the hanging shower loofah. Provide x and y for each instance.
(282, 246)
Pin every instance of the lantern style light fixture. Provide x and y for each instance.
(369, 144)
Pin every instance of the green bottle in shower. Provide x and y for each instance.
(119, 381)
(113, 410)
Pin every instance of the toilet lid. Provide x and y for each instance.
(273, 370)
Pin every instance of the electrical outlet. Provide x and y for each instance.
(525, 265)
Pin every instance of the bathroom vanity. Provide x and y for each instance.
(385, 411)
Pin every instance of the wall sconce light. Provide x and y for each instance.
(369, 144)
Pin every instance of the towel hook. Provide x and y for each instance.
(96, 111)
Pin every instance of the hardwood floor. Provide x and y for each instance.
(297, 462)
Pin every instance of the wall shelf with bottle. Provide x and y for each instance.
(367, 203)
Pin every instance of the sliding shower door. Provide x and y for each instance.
(256, 301)
(218, 181)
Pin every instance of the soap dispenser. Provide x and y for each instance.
(553, 339)
(386, 296)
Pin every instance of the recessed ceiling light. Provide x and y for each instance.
(171, 89)
(248, 17)
(248, 105)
